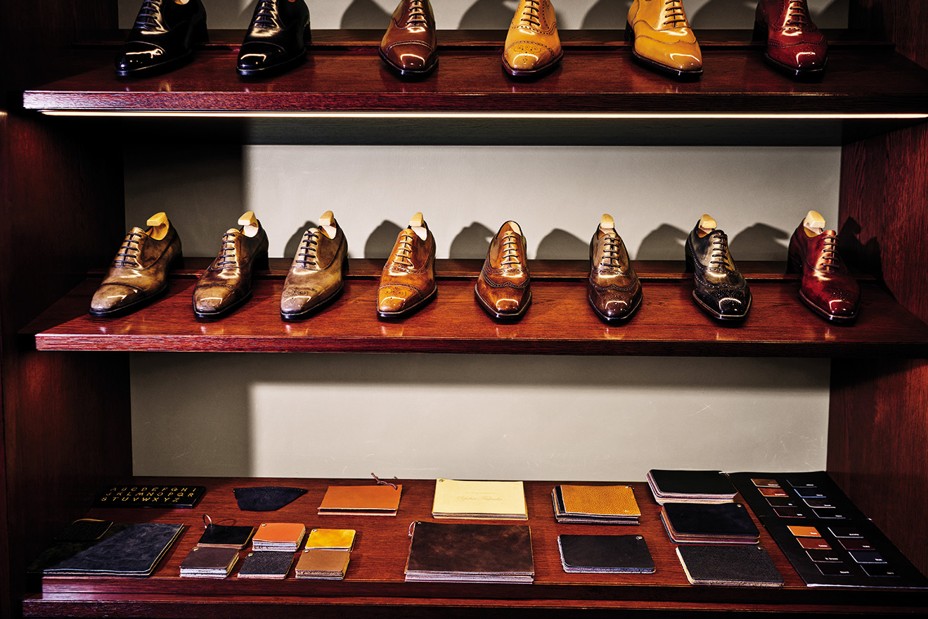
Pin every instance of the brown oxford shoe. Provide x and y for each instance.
(139, 271)
(532, 46)
(226, 283)
(408, 279)
(503, 288)
(409, 46)
(613, 288)
(316, 276)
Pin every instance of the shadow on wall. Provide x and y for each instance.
(293, 243)
(380, 243)
(760, 240)
(471, 242)
(739, 14)
(664, 243)
(562, 245)
(607, 14)
(365, 14)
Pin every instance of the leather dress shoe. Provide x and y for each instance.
(276, 39)
(503, 288)
(663, 38)
(409, 46)
(226, 283)
(532, 46)
(795, 45)
(163, 37)
(719, 289)
(613, 288)
(139, 271)
(407, 282)
(316, 276)
(826, 286)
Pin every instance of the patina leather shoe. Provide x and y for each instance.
(503, 288)
(719, 289)
(795, 45)
(532, 46)
(826, 286)
(163, 37)
(663, 38)
(409, 46)
(408, 279)
(316, 276)
(276, 39)
(227, 282)
(139, 272)
(613, 288)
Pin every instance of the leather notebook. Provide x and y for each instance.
(209, 562)
(732, 566)
(470, 553)
(323, 564)
(223, 536)
(693, 523)
(690, 486)
(595, 504)
(482, 500)
(266, 564)
(371, 500)
(134, 551)
(605, 554)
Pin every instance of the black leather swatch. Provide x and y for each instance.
(691, 482)
(266, 564)
(226, 536)
(724, 520)
(266, 498)
(134, 551)
(605, 553)
(740, 566)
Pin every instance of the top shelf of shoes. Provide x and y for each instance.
(343, 75)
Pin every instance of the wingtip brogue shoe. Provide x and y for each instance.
(533, 46)
(503, 288)
(719, 289)
(138, 273)
(409, 46)
(163, 37)
(613, 287)
(663, 39)
(795, 46)
(276, 39)
(316, 276)
(407, 282)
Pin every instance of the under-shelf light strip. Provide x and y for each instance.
(486, 115)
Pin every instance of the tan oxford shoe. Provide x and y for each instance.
(663, 38)
(533, 46)
(139, 271)
(409, 46)
(316, 276)
(408, 279)
(227, 282)
(613, 288)
(503, 287)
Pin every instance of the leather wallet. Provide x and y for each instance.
(134, 551)
(266, 498)
(605, 554)
(370, 500)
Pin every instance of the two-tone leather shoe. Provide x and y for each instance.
(409, 46)
(663, 39)
(227, 282)
(533, 46)
(503, 288)
(163, 37)
(613, 288)
(139, 271)
(316, 276)
(407, 282)
(826, 287)
(719, 289)
(795, 46)
(276, 39)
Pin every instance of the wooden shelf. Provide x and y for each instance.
(559, 321)
(344, 73)
(375, 575)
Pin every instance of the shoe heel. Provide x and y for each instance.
(690, 264)
(307, 36)
(629, 33)
(760, 32)
(793, 263)
(200, 33)
(262, 263)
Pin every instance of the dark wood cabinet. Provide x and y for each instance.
(65, 381)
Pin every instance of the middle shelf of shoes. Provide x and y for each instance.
(559, 321)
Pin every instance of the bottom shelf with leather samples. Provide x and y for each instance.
(375, 576)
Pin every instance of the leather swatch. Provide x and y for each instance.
(729, 522)
(690, 486)
(266, 498)
(331, 539)
(732, 566)
(223, 536)
(279, 536)
(134, 551)
(207, 562)
(323, 564)
(489, 500)
(613, 504)
(266, 564)
(605, 554)
(370, 500)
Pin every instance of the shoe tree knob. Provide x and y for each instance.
(606, 222)
(814, 222)
(707, 224)
(158, 226)
(327, 223)
(250, 224)
(417, 223)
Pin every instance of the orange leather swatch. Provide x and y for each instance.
(280, 532)
(381, 500)
(600, 500)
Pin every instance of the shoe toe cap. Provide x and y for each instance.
(114, 297)
(212, 299)
(396, 299)
(259, 55)
(135, 56)
(409, 57)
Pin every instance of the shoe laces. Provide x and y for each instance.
(306, 254)
(610, 257)
(719, 256)
(267, 17)
(530, 14)
(511, 251)
(828, 260)
(797, 15)
(416, 19)
(150, 17)
(674, 14)
(128, 254)
(228, 257)
(402, 257)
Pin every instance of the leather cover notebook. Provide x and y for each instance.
(725, 523)
(223, 536)
(485, 500)
(134, 551)
(266, 564)
(732, 566)
(379, 500)
(605, 554)
(470, 553)
(206, 562)
(690, 486)
(595, 504)
(323, 564)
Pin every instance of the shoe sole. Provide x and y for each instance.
(225, 312)
(277, 69)
(829, 317)
(503, 317)
(158, 69)
(408, 311)
(680, 74)
(723, 317)
(534, 73)
(410, 73)
(613, 319)
(306, 313)
(128, 309)
(804, 75)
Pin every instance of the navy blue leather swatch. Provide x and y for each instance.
(266, 498)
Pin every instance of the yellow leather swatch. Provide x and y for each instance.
(331, 539)
(600, 500)
(323, 564)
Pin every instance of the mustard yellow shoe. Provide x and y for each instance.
(533, 46)
(663, 39)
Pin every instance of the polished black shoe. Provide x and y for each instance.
(163, 37)
(276, 39)
(719, 289)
